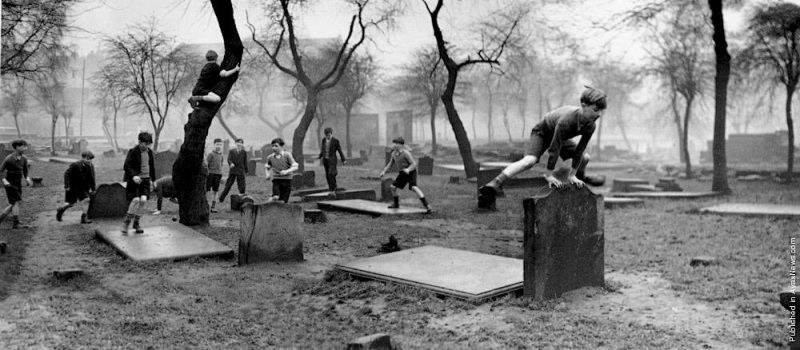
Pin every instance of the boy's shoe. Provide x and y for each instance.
(490, 189)
(593, 180)
(428, 209)
(214, 210)
(85, 219)
(394, 206)
(60, 213)
(137, 228)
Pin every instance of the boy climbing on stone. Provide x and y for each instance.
(553, 135)
(140, 171)
(407, 176)
(12, 171)
(209, 76)
(79, 184)
(280, 166)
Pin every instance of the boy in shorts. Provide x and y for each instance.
(280, 166)
(140, 171)
(79, 184)
(209, 76)
(407, 176)
(553, 135)
(214, 163)
(13, 169)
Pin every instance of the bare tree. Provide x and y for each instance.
(110, 97)
(188, 173)
(423, 82)
(498, 33)
(15, 100)
(152, 69)
(775, 43)
(31, 29)
(49, 88)
(360, 77)
(297, 69)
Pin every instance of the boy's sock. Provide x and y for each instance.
(16, 223)
(85, 219)
(136, 227)
(425, 203)
(60, 212)
(127, 222)
(213, 205)
(395, 202)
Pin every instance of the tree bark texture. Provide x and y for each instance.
(723, 71)
(790, 127)
(685, 139)
(188, 172)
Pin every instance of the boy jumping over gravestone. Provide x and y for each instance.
(13, 169)
(280, 166)
(214, 163)
(79, 184)
(553, 134)
(209, 76)
(408, 173)
(237, 161)
(140, 170)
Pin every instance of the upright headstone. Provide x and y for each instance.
(271, 232)
(252, 166)
(108, 201)
(425, 165)
(309, 177)
(226, 147)
(623, 185)
(238, 201)
(297, 181)
(386, 190)
(564, 242)
(164, 161)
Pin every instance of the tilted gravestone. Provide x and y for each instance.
(309, 177)
(297, 181)
(252, 166)
(271, 232)
(386, 190)
(564, 242)
(164, 161)
(425, 166)
(108, 201)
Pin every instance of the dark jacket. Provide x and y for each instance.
(79, 177)
(133, 163)
(239, 160)
(335, 147)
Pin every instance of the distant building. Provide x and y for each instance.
(752, 148)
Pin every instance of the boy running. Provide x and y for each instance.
(407, 176)
(79, 184)
(13, 169)
(280, 166)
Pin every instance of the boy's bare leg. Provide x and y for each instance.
(588, 179)
(5, 213)
(84, 212)
(491, 188)
(422, 198)
(60, 211)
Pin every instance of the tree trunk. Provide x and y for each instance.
(305, 122)
(188, 172)
(16, 123)
(474, 128)
(599, 154)
(433, 106)
(685, 142)
(347, 112)
(116, 141)
(790, 125)
(53, 135)
(723, 67)
(489, 110)
(508, 127)
(677, 119)
(464, 147)
(225, 126)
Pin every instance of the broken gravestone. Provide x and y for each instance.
(309, 177)
(425, 165)
(108, 201)
(271, 232)
(386, 190)
(564, 242)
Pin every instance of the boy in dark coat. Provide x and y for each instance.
(237, 162)
(12, 171)
(140, 171)
(79, 184)
(330, 145)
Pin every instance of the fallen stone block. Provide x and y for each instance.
(642, 188)
(271, 232)
(386, 190)
(67, 274)
(455, 180)
(37, 182)
(703, 261)
(379, 341)
(314, 216)
(622, 185)
(309, 179)
(297, 181)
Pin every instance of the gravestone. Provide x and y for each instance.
(258, 153)
(238, 201)
(455, 180)
(164, 161)
(271, 232)
(484, 176)
(37, 182)
(309, 179)
(314, 216)
(386, 190)
(668, 184)
(297, 181)
(425, 165)
(226, 147)
(108, 201)
(563, 243)
(252, 166)
(354, 162)
(623, 185)
(109, 154)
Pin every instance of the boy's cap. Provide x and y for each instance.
(211, 55)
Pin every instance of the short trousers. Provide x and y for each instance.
(404, 179)
(212, 183)
(73, 197)
(134, 190)
(14, 192)
(282, 188)
(537, 145)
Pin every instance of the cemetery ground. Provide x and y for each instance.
(653, 298)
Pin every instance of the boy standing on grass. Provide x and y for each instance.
(407, 176)
(79, 184)
(13, 169)
(209, 76)
(237, 161)
(214, 163)
(140, 171)
(280, 166)
(553, 135)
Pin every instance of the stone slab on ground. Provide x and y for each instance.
(614, 202)
(753, 209)
(342, 195)
(306, 192)
(61, 160)
(643, 188)
(622, 185)
(564, 242)
(271, 232)
(457, 273)
(108, 201)
(666, 194)
(368, 207)
(164, 242)
(379, 341)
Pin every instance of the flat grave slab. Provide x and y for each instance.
(751, 209)
(457, 273)
(666, 194)
(614, 202)
(165, 242)
(62, 160)
(364, 194)
(367, 207)
(306, 192)
(460, 167)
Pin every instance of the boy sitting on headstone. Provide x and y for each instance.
(209, 76)
(13, 169)
(407, 176)
(164, 188)
(280, 166)
(553, 134)
(79, 184)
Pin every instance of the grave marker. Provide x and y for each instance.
(309, 179)
(425, 165)
(108, 201)
(564, 242)
(163, 162)
(271, 232)
(623, 185)
(386, 190)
